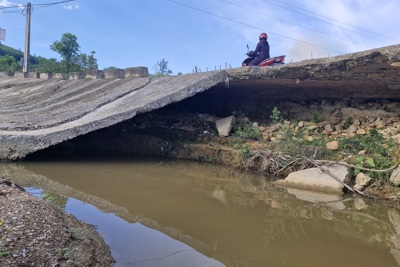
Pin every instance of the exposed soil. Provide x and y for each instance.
(36, 233)
(178, 133)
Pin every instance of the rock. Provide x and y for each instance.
(359, 187)
(357, 122)
(333, 146)
(274, 140)
(397, 138)
(329, 128)
(336, 117)
(310, 125)
(338, 128)
(361, 131)
(308, 138)
(363, 180)
(380, 126)
(224, 126)
(394, 218)
(286, 123)
(351, 130)
(360, 204)
(315, 179)
(271, 129)
(395, 177)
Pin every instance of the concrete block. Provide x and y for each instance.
(136, 72)
(7, 73)
(45, 76)
(26, 75)
(76, 75)
(61, 76)
(11, 74)
(114, 73)
(224, 126)
(95, 74)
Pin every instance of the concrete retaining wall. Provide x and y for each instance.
(114, 73)
(135, 72)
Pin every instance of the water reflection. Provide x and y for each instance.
(132, 244)
(236, 219)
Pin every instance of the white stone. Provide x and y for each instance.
(224, 126)
(333, 146)
(363, 180)
(316, 179)
(395, 177)
(360, 204)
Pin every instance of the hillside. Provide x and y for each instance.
(17, 54)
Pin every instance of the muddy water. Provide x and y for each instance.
(169, 213)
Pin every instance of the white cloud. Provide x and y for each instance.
(70, 7)
(6, 3)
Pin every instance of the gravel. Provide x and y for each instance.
(36, 233)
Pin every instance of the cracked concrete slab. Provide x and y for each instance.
(35, 114)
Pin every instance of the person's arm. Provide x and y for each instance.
(255, 52)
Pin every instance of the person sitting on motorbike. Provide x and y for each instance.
(261, 52)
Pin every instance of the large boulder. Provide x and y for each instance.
(224, 126)
(316, 179)
(395, 177)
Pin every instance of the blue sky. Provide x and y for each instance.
(208, 34)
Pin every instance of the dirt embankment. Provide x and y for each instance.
(36, 233)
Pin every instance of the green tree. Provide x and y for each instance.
(68, 48)
(110, 68)
(162, 68)
(49, 65)
(72, 59)
(8, 63)
(92, 61)
(87, 63)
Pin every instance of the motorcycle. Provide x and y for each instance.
(266, 62)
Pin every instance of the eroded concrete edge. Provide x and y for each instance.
(17, 145)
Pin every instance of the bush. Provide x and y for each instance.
(8, 64)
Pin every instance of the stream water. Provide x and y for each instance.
(175, 213)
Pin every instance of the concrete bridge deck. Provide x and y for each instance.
(37, 113)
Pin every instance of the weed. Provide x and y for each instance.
(315, 118)
(294, 144)
(276, 116)
(244, 129)
(46, 196)
(245, 151)
(65, 251)
(378, 154)
(249, 133)
(347, 122)
(77, 233)
(365, 162)
(4, 253)
(238, 114)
